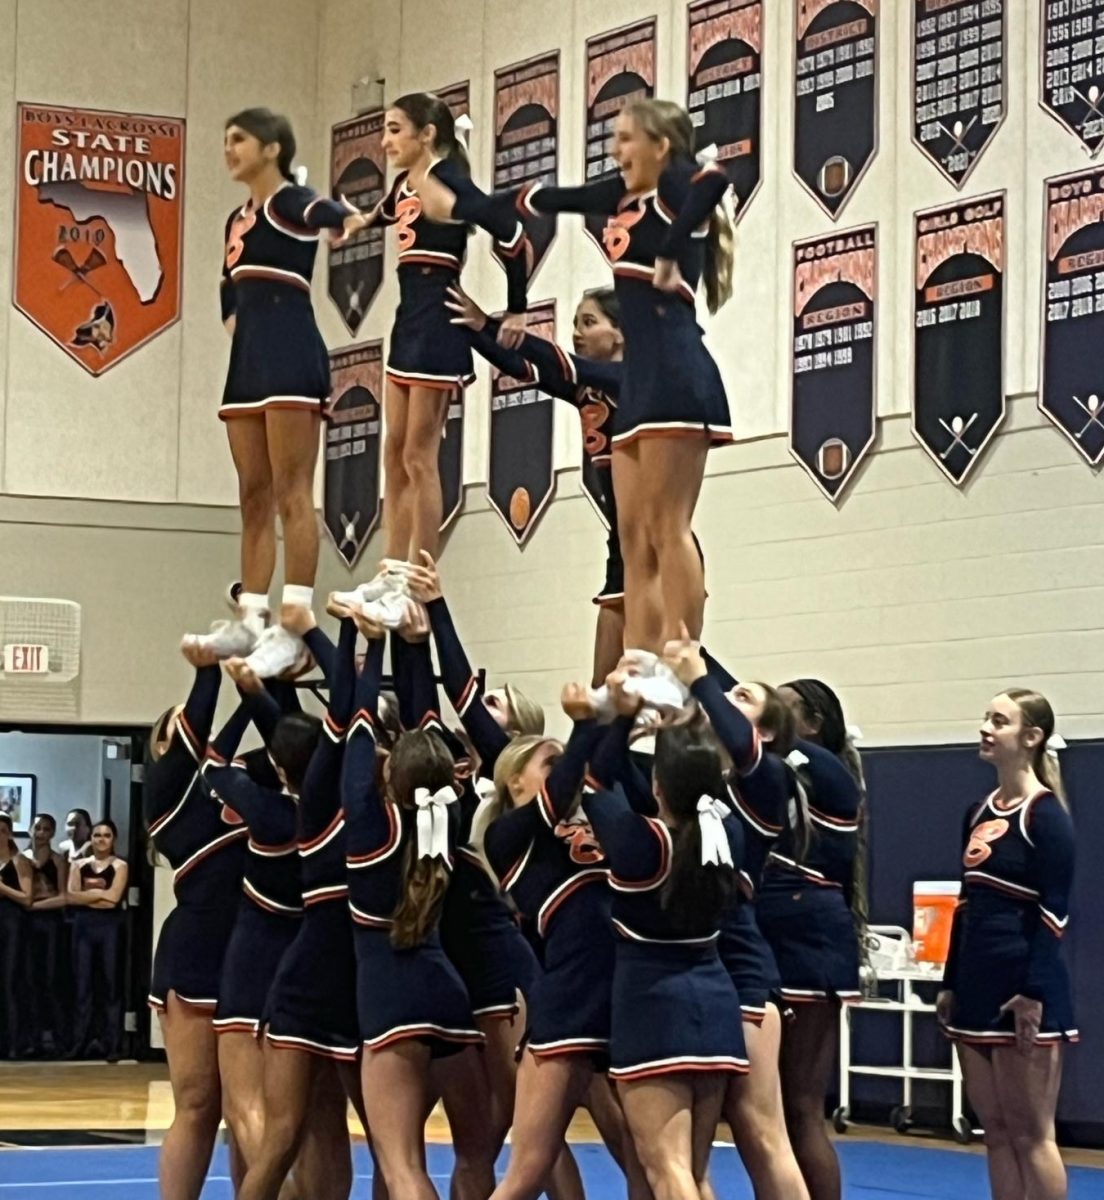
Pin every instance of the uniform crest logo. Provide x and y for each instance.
(99, 221)
(979, 848)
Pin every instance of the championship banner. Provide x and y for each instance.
(958, 331)
(526, 148)
(835, 97)
(1071, 68)
(1072, 385)
(450, 457)
(98, 228)
(620, 69)
(958, 56)
(832, 405)
(724, 96)
(351, 506)
(520, 478)
(357, 170)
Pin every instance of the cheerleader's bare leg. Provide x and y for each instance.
(241, 1066)
(256, 499)
(609, 1119)
(753, 1110)
(293, 454)
(466, 1096)
(644, 618)
(349, 1074)
(396, 1088)
(808, 1052)
(425, 425)
(609, 640)
(190, 1045)
(396, 488)
(323, 1168)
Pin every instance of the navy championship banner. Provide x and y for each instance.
(351, 489)
(1071, 391)
(520, 478)
(450, 458)
(958, 335)
(620, 69)
(357, 171)
(958, 56)
(526, 147)
(725, 87)
(835, 97)
(832, 400)
(1071, 67)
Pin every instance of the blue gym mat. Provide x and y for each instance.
(872, 1171)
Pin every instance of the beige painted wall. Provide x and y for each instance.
(918, 600)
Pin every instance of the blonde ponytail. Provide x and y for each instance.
(720, 256)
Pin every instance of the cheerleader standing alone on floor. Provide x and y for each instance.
(1006, 998)
(665, 234)
(278, 379)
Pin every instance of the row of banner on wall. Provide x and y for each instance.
(100, 200)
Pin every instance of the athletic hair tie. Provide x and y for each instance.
(1054, 743)
(463, 125)
(715, 851)
(433, 820)
(300, 175)
(796, 759)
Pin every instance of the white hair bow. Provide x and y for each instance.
(855, 734)
(300, 175)
(716, 852)
(709, 156)
(1055, 743)
(463, 125)
(796, 759)
(432, 808)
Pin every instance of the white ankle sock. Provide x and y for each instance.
(298, 595)
(254, 611)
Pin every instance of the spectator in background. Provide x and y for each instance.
(97, 886)
(45, 939)
(78, 827)
(15, 899)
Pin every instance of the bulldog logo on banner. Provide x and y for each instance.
(832, 405)
(519, 482)
(98, 228)
(357, 171)
(620, 69)
(1071, 68)
(958, 52)
(725, 68)
(351, 506)
(835, 97)
(527, 106)
(1071, 391)
(958, 331)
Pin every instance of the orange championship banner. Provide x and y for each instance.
(98, 228)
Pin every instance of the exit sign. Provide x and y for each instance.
(26, 660)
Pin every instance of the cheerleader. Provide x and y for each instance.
(16, 882)
(277, 382)
(756, 728)
(1006, 998)
(590, 380)
(665, 234)
(804, 911)
(45, 928)
(672, 877)
(417, 1031)
(271, 907)
(311, 1042)
(429, 360)
(204, 844)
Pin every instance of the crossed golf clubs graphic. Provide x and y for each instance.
(1092, 102)
(350, 528)
(1093, 410)
(79, 272)
(958, 134)
(958, 429)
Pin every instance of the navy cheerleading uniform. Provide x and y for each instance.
(204, 843)
(1008, 927)
(557, 874)
(478, 930)
(672, 386)
(803, 907)
(757, 794)
(277, 356)
(425, 348)
(271, 910)
(414, 992)
(673, 1001)
(311, 1005)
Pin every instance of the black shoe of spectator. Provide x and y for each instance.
(74, 1052)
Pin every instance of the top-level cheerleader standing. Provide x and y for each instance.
(1007, 1000)
(429, 360)
(666, 233)
(278, 379)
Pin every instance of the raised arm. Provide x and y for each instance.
(599, 198)
(371, 829)
(564, 780)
